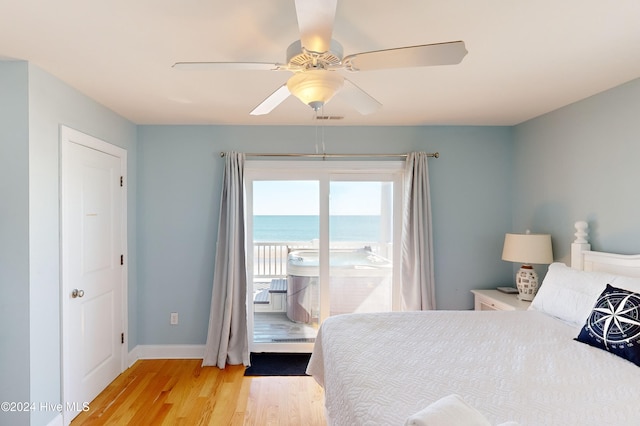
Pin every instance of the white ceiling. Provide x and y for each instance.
(526, 57)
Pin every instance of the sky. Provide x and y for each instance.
(301, 198)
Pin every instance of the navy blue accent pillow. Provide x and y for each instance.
(614, 324)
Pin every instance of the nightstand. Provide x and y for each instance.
(494, 300)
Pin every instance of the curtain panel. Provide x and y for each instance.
(227, 340)
(418, 284)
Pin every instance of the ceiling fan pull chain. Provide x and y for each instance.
(315, 117)
(322, 112)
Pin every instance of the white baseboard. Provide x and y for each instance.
(166, 352)
(57, 421)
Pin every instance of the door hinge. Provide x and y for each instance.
(121, 180)
(122, 338)
(122, 259)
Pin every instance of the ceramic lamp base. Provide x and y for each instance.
(526, 282)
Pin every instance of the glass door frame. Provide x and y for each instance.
(323, 172)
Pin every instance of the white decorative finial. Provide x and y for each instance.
(581, 235)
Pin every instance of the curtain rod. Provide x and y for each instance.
(429, 154)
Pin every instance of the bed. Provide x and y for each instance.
(524, 367)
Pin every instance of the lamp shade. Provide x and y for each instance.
(527, 248)
(315, 87)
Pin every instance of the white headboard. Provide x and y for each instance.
(584, 259)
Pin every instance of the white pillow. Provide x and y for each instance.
(569, 294)
(627, 283)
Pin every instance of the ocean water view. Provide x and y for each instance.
(274, 228)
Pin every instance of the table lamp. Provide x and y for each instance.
(527, 249)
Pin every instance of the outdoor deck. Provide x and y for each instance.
(275, 327)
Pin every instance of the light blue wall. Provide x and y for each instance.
(31, 141)
(581, 162)
(179, 179)
(14, 235)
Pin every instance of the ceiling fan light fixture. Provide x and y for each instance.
(315, 87)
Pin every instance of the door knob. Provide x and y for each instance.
(77, 293)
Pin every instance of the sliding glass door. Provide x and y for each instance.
(285, 218)
(324, 242)
(360, 244)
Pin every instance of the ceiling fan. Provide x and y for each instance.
(315, 58)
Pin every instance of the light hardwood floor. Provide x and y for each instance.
(181, 392)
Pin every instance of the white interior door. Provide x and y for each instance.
(92, 267)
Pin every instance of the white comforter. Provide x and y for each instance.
(378, 369)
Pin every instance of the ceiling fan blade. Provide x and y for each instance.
(223, 66)
(272, 101)
(359, 99)
(315, 21)
(449, 53)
